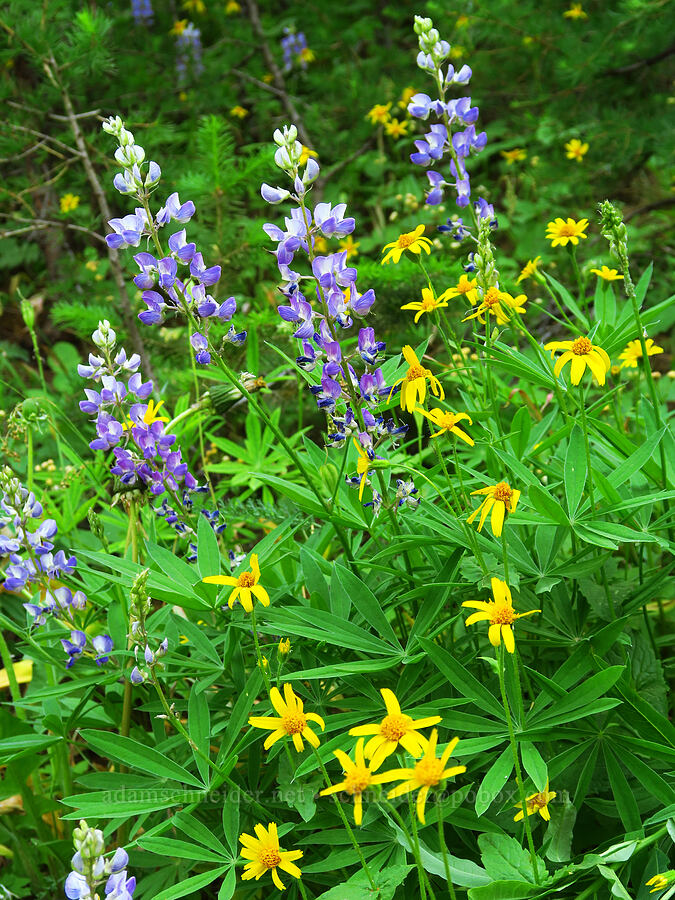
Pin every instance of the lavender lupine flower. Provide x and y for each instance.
(189, 52)
(294, 49)
(142, 11)
(454, 114)
(91, 869)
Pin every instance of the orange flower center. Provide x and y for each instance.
(567, 230)
(447, 420)
(581, 346)
(492, 297)
(416, 371)
(405, 240)
(294, 723)
(502, 614)
(503, 492)
(540, 800)
(394, 727)
(428, 303)
(429, 771)
(270, 858)
(246, 580)
(357, 780)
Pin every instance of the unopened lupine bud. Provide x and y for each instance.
(104, 336)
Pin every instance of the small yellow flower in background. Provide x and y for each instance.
(457, 51)
(292, 720)
(182, 96)
(23, 672)
(447, 423)
(179, 26)
(581, 353)
(429, 772)
(561, 232)
(350, 245)
(515, 155)
(575, 12)
(396, 728)
(307, 55)
(363, 465)
(305, 155)
(414, 382)
(69, 202)
(232, 8)
(499, 498)
(379, 114)
(427, 304)
(406, 96)
(536, 803)
(358, 777)
(149, 416)
(496, 303)
(661, 882)
(195, 6)
(607, 274)
(576, 150)
(239, 112)
(632, 352)
(499, 613)
(414, 241)
(462, 22)
(92, 265)
(284, 647)
(466, 286)
(245, 586)
(320, 244)
(529, 269)
(268, 78)
(266, 855)
(528, 39)
(396, 129)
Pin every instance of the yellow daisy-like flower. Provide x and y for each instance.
(499, 613)
(660, 882)
(500, 498)
(576, 150)
(412, 241)
(529, 269)
(396, 728)
(496, 303)
(195, 6)
(581, 352)
(457, 51)
(307, 55)
(467, 287)
(363, 465)
(284, 647)
(632, 352)
(266, 855)
(396, 129)
(429, 772)
(69, 202)
(268, 78)
(379, 114)
(245, 586)
(462, 22)
(350, 245)
(406, 96)
(607, 274)
(575, 12)
(358, 778)
(305, 155)
(536, 803)
(515, 155)
(291, 721)
(561, 232)
(427, 304)
(320, 244)
(179, 26)
(232, 8)
(446, 422)
(414, 382)
(149, 416)
(239, 112)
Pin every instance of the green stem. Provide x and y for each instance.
(414, 845)
(580, 286)
(14, 689)
(200, 430)
(29, 458)
(38, 359)
(584, 425)
(444, 849)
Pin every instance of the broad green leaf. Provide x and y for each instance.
(462, 680)
(322, 626)
(559, 832)
(549, 508)
(208, 554)
(163, 846)
(505, 858)
(623, 473)
(199, 728)
(618, 890)
(190, 885)
(138, 756)
(657, 786)
(24, 744)
(623, 795)
(580, 696)
(493, 782)
(366, 602)
(610, 534)
(115, 805)
(505, 890)
(240, 712)
(520, 432)
(575, 470)
(229, 885)
(534, 765)
(195, 829)
(568, 300)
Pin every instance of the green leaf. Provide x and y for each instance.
(618, 890)
(623, 473)
(493, 782)
(199, 728)
(137, 756)
(575, 470)
(190, 885)
(623, 795)
(208, 554)
(559, 832)
(23, 745)
(229, 885)
(115, 805)
(171, 847)
(610, 534)
(534, 765)
(462, 680)
(568, 300)
(366, 602)
(549, 508)
(199, 832)
(520, 432)
(582, 696)
(505, 858)
(505, 890)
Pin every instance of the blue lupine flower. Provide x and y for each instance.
(201, 347)
(74, 647)
(128, 231)
(142, 11)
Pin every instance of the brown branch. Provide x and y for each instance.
(42, 224)
(641, 63)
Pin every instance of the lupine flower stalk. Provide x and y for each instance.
(91, 869)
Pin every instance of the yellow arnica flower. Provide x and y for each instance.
(536, 803)
(232, 8)
(363, 465)
(575, 12)
(465, 286)
(499, 613)
(196, 6)
(396, 129)
(529, 269)
(406, 96)
(496, 303)
(245, 586)
(427, 304)
(514, 155)
(607, 274)
(350, 245)
(414, 382)
(358, 778)
(412, 241)
(581, 352)
(149, 416)
(576, 150)
(284, 647)
(396, 728)
(446, 422)
(561, 232)
(239, 112)
(69, 202)
(179, 26)
(379, 114)
(292, 720)
(305, 155)
(661, 882)
(266, 855)
(499, 498)
(632, 352)
(320, 244)
(307, 54)
(429, 772)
